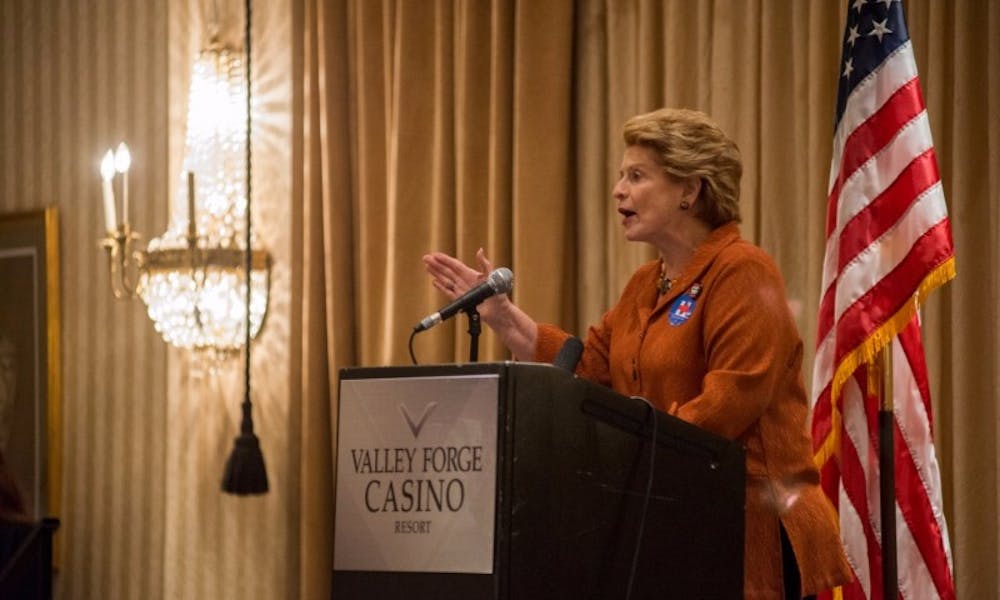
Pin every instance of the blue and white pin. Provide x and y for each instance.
(683, 306)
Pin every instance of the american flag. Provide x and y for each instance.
(888, 244)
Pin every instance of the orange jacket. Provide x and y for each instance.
(720, 350)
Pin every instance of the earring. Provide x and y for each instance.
(685, 205)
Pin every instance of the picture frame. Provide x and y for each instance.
(30, 385)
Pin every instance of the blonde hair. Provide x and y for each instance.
(689, 144)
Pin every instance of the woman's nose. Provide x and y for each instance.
(618, 192)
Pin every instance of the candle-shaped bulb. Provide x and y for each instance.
(192, 222)
(123, 159)
(108, 166)
(108, 193)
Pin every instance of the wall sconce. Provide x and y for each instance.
(191, 277)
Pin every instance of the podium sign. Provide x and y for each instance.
(416, 474)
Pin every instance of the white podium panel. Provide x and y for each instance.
(416, 474)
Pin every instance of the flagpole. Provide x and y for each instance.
(882, 370)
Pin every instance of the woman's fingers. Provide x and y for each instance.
(446, 289)
(453, 278)
(449, 275)
(438, 262)
(441, 265)
(484, 263)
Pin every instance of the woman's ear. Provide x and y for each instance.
(692, 189)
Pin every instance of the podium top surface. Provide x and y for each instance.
(437, 369)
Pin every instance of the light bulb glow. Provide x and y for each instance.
(205, 306)
(123, 158)
(215, 150)
(108, 166)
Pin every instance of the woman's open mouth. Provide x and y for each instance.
(626, 214)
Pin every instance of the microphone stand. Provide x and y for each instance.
(475, 328)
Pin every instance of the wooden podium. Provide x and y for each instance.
(521, 481)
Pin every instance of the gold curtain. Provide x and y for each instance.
(454, 125)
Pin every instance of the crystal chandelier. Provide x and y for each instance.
(191, 277)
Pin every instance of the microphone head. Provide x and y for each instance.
(501, 280)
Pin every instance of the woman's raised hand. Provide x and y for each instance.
(453, 277)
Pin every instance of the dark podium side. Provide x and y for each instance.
(572, 500)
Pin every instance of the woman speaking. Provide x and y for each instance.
(705, 334)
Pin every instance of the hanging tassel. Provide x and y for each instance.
(245, 472)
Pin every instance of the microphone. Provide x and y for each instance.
(500, 281)
(569, 355)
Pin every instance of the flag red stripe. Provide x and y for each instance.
(885, 210)
(917, 507)
(830, 481)
(853, 591)
(833, 203)
(870, 137)
(911, 343)
(821, 418)
(911, 496)
(853, 482)
(826, 310)
(884, 299)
